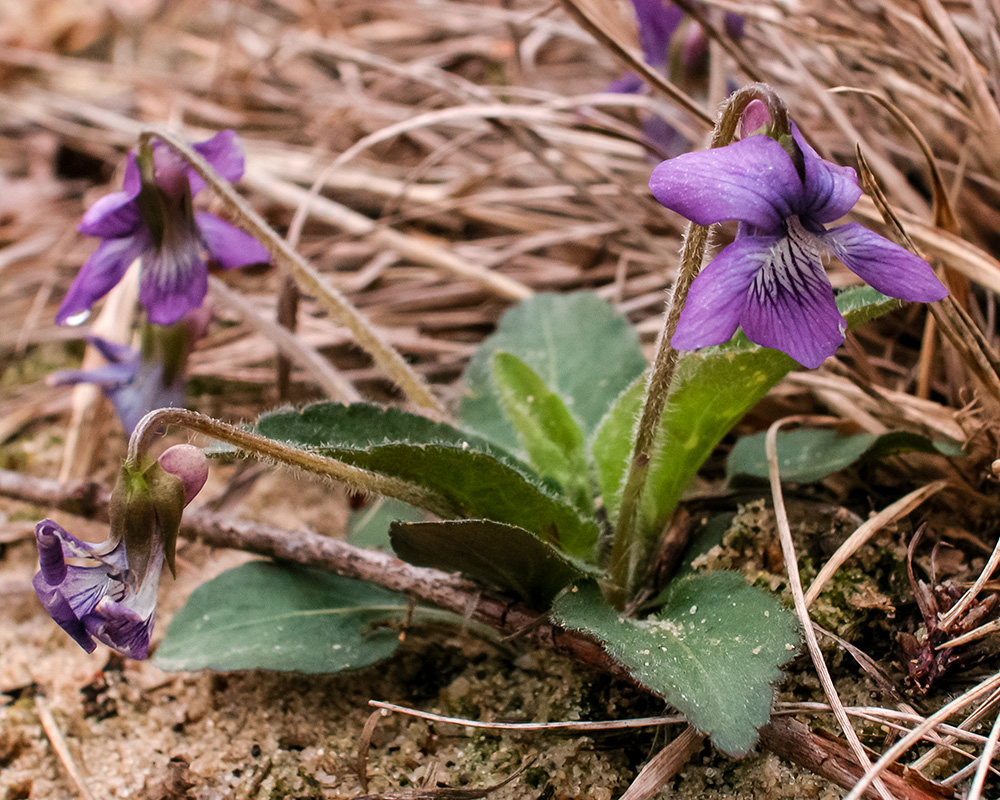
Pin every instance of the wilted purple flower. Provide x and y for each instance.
(771, 279)
(111, 595)
(134, 384)
(139, 381)
(676, 46)
(156, 223)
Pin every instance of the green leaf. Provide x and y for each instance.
(712, 390)
(612, 446)
(577, 344)
(808, 455)
(503, 555)
(478, 480)
(547, 431)
(713, 651)
(369, 527)
(264, 615)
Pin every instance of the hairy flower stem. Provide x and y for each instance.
(308, 279)
(261, 447)
(632, 545)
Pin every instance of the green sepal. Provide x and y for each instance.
(145, 510)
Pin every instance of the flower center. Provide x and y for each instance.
(796, 263)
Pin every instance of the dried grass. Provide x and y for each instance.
(440, 159)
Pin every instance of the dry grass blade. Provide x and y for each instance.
(58, 742)
(944, 213)
(664, 765)
(989, 751)
(893, 754)
(953, 320)
(801, 609)
(334, 384)
(886, 516)
(589, 725)
(594, 16)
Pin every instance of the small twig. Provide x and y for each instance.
(58, 742)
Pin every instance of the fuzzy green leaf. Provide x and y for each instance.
(713, 651)
(264, 615)
(547, 431)
(503, 555)
(476, 479)
(809, 455)
(578, 346)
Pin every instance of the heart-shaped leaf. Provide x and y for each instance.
(264, 615)
(713, 651)
(503, 555)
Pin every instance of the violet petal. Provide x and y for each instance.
(145, 392)
(114, 352)
(106, 267)
(109, 376)
(224, 153)
(657, 23)
(830, 189)
(113, 216)
(886, 266)
(229, 246)
(61, 612)
(117, 214)
(752, 180)
(120, 628)
(718, 295)
(174, 280)
(791, 306)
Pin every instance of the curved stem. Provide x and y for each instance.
(261, 447)
(308, 279)
(632, 545)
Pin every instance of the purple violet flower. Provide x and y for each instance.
(103, 598)
(771, 279)
(135, 385)
(157, 224)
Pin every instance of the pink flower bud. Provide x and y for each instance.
(188, 463)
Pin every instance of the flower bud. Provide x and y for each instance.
(188, 463)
